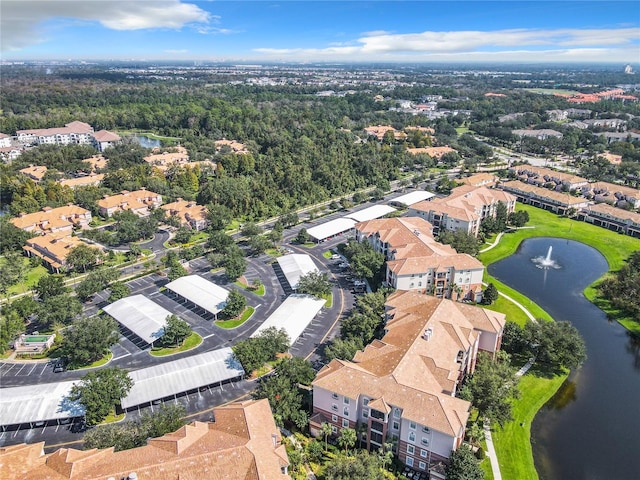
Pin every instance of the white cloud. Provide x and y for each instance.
(21, 20)
(616, 44)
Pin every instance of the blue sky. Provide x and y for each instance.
(333, 31)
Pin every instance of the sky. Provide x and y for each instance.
(326, 31)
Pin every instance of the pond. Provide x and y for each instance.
(591, 428)
(147, 142)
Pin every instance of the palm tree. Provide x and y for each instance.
(347, 438)
(326, 429)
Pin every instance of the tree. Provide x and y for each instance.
(285, 400)
(12, 238)
(118, 290)
(557, 345)
(99, 390)
(176, 271)
(303, 236)
(219, 241)
(182, 235)
(61, 309)
(295, 369)
(365, 262)
(251, 230)
(289, 219)
(260, 243)
(82, 255)
(175, 331)
(501, 216)
(326, 429)
(95, 282)
(463, 465)
(12, 271)
(11, 325)
(461, 241)
(475, 432)
(88, 339)
(314, 283)
(519, 219)
(347, 438)
(234, 266)
(514, 339)
(493, 386)
(50, 286)
(256, 351)
(490, 294)
(342, 349)
(218, 216)
(363, 466)
(235, 305)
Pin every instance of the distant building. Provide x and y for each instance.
(74, 132)
(545, 176)
(53, 249)
(53, 220)
(139, 202)
(34, 172)
(433, 152)
(540, 197)
(379, 132)
(482, 179)
(103, 139)
(230, 146)
(5, 140)
(541, 134)
(92, 179)
(189, 212)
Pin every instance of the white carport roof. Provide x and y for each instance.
(172, 378)
(331, 228)
(37, 403)
(371, 213)
(202, 292)
(140, 315)
(295, 266)
(294, 315)
(413, 197)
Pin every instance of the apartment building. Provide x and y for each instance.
(53, 220)
(139, 202)
(401, 389)
(464, 209)
(379, 132)
(433, 152)
(541, 176)
(540, 197)
(74, 132)
(5, 140)
(34, 172)
(604, 192)
(482, 179)
(189, 212)
(53, 249)
(541, 134)
(417, 262)
(612, 218)
(92, 179)
(242, 443)
(230, 146)
(104, 139)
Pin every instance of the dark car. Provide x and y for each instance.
(60, 365)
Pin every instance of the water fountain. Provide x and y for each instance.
(546, 263)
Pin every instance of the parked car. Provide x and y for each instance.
(60, 365)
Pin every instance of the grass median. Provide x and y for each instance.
(191, 342)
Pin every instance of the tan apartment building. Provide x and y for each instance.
(417, 262)
(540, 197)
(139, 202)
(612, 193)
(34, 172)
(611, 218)
(541, 176)
(163, 160)
(53, 249)
(482, 179)
(243, 443)
(190, 213)
(433, 152)
(104, 139)
(53, 220)
(230, 146)
(92, 179)
(402, 388)
(74, 132)
(379, 132)
(464, 209)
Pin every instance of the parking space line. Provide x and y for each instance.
(31, 371)
(21, 368)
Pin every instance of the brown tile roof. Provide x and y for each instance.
(379, 131)
(541, 172)
(163, 160)
(614, 188)
(428, 130)
(49, 218)
(459, 261)
(97, 162)
(465, 202)
(73, 127)
(435, 152)
(128, 200)
(236, 147)
(408, 371)
(480, 179)
(243, 443)
(35, 172)
(613, 212)
(544, 193)
(53, 247)
(106, 136)
(93, 179)
(187, 210)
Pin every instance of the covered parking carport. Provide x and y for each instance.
(200, 292)
(170, 380)
(330, 229)
(294, 266)
(140, 316)
(40, 405)
(294, 315)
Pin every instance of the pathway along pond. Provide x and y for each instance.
(591, 428)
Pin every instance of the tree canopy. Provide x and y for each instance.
(88, 339)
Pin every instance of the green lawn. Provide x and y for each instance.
(461, 130)
(31, 278)
(327, 254)
(191, 342)
(512, 443)
(112, 418)
(236, 322)
(258, 291)
(329, 299)
(148, 134)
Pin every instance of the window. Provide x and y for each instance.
(419, 284)
(409, 462)
(411, 449)
(335, 396)
(365, 402)
(423, 453)
(422, 465)
(345, 423)
(334, 407)
(412, 425)
(345, 412)
(334, 429)
(396, 412)
(365, 412)
(412, 437)
(334, 418)
(396, 425)
(426, 430)
(425, 441)
(364, 436)
(346, 401)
